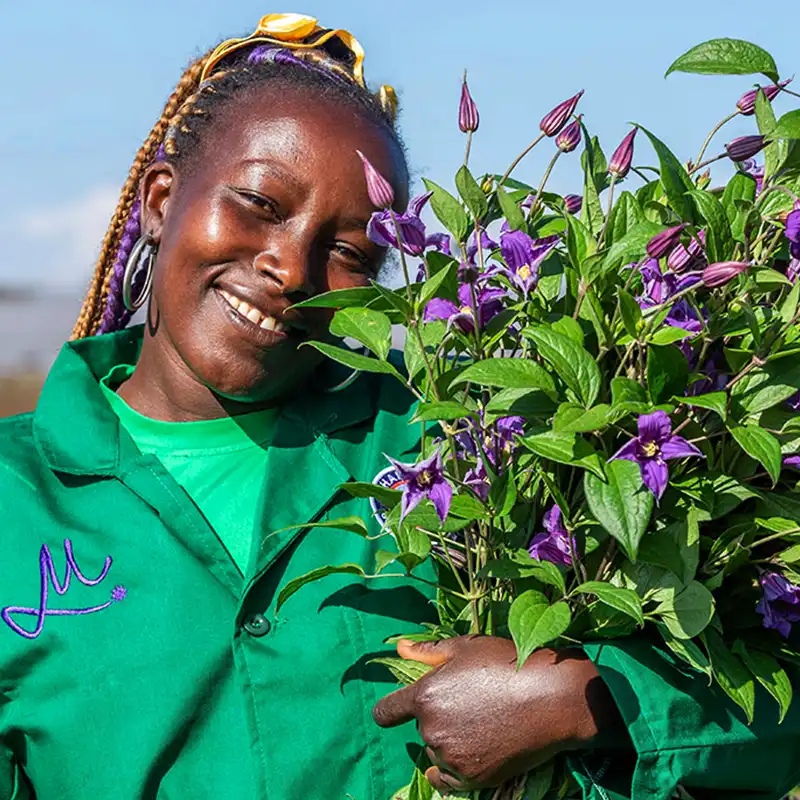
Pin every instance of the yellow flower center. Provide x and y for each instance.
(524, 272)
(465, 310)
(650, 449)
(424, 479)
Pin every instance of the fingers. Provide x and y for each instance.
(434, 654)
(396, 708)
(443, 782)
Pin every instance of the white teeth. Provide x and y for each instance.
(253, 314)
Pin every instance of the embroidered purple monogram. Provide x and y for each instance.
(47, 572)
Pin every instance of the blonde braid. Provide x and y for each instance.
(92, 310)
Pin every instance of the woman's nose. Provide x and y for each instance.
(289, 267)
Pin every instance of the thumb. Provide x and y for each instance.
(434, 654)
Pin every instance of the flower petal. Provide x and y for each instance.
(628, 451)
(552, 520)
(655, 427)
(441, 495)
(412, 497)
(416, 204)
(655, 475)
(380, 230)
(678, 447)
(438, 308)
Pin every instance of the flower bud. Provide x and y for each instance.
(665, 241)
(723, 271)
(747, 102)
(573, 203)
(379, 190)
(703, 179)
(570, 137)
(744, 147)
(621, 160)
(468, 117)
(679, 258)
(553, 122)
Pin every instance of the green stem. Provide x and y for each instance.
(535, 204)
(711, 135)
(469, 146)
(608, 212)
(519, 158)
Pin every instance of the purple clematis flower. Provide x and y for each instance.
(755, 170)
(793, 231)
(425, 479)
(794, 402)
(793, 462)
(490, 304)
(380, 228)
(793, 270)
(487, 245)
(523, 256)
(713, 380)
(439, 242)
(660, 286)
(553, 543)
(651, 449)
(780, 604)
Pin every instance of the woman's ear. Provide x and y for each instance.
(157, 185)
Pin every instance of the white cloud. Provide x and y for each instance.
(66, 237)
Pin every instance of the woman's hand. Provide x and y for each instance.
(483, 721)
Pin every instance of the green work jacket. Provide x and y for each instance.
(137, 661)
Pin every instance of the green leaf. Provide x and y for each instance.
(538, 782)
(789, 306)
(341, 298)
(624, 600)
(713, 401)
(352, 524)
(574, 419)
(760, 445)
(508, 373)
(385, 496)
(593, 160)
(788, 126)
(445, 410)
(405, 671)
(686, 650)
(632, 246)
(627, 390)
(630, 311)
(566, 448)
(667, 373)
(769, 674)
(520, 402)
(511, 211)
(774, 153)
(674, 177)
(570, 328)
(520, 566)
(731, 674)
(625, 215)
(580, 243)
(726, 57)
(371, 328)
(354, 360)
(719, 241)
(448, 210)
(431, 334)
(669, 335)
(763, 388)
(688, 611)
(622, 505)
(471, 193)
(298, 583)
(533, 622)
(740, 187)
(572, 363)
(432, 286)
(503, 494)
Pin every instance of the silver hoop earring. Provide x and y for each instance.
(349, 380)
(142, 257)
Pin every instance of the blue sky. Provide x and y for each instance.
(83, 82)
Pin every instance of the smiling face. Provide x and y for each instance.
(271, 209)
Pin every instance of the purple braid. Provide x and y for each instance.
(116, 316)
(280, 55)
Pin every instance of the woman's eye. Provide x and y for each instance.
(355, 257)
(264, 204)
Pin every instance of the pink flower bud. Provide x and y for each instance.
(553, 122)
(747, 102)
(573, 203)
(570, 137)
(745, 147)
(723, 271)
(468, 117)
(380, 191)
(621, 160)
(663, 242)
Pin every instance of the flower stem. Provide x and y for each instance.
(707, 162)
(535, 204)
(711, 135)
(469, 147)
(608, 212)
(519, 158)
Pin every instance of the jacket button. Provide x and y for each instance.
(257, 625)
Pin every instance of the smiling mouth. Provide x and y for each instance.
(253, 315)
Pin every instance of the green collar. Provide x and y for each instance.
(77, 432)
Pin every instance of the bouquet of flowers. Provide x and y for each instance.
(608, 388)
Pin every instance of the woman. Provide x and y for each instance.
(147, 504)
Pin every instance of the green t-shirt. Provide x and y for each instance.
(220, 463)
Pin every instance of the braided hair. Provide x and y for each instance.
(175, 138)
